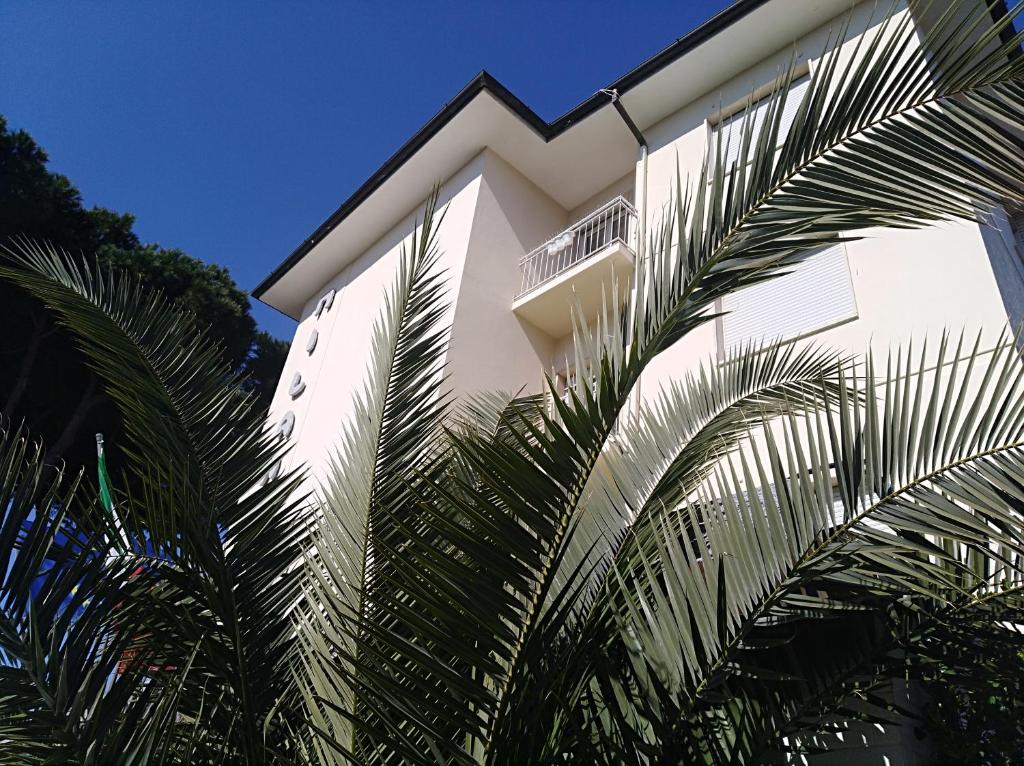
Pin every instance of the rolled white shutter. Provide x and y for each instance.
(731, 128)
(816, 294)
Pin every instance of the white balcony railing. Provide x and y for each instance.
(615, 221)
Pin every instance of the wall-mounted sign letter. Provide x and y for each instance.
(311, 343)
(325, 303)
(273, 472)
(297, 386)
(286, 425)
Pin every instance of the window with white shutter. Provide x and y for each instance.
(815, 295)
(731, 127)
(818, 292)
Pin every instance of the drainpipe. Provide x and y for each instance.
(641, 248)
(642, 211)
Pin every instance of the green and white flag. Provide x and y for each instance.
(104, 479)
(120, 542)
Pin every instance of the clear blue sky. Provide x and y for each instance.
(231, 129)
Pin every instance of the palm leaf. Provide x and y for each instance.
(392, 434)
(892, 102)
(928, 510)
(69, 615)
(226, 540)
(657, 459)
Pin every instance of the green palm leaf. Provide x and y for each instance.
(656, 460)
(505, 557)
(226, 540)
(69, 612)
(352, 617)
(925, 509)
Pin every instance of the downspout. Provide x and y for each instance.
(641, 245)
(639, 136)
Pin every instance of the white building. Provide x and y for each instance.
(538, 210)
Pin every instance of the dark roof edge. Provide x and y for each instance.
(474, 87)
(658, 61)
(486, 82)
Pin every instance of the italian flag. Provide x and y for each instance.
(120, 541)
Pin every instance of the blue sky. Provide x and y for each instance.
(231, 130)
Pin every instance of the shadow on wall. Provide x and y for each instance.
(1004, 253)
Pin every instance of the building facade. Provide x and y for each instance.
(541, 214)
(537, 213)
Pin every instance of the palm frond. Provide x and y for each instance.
(883, 136)
(70, 612)
(227, 540)
(393, 433)
(876, 502)
(657, 459)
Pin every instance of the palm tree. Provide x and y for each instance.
(499, 581)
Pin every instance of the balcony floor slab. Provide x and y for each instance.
(548, 306)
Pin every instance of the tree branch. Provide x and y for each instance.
(89, 399)
(28, 361)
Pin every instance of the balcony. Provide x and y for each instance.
(578, 264)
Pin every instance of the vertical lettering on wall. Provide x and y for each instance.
(286, 424)
(325, 303)
(297, 387)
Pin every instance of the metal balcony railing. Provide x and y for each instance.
(615, 221)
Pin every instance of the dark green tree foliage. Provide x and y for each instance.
(978, 718)
(43, 379)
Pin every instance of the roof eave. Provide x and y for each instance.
(486, 82)
(547, 131)
(479, 84)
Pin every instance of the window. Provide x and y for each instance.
(818, 292)
(815, 295)
(730, 127)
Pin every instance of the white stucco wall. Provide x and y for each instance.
(493, 349)
(337, 368)
(624, 186)
(907, 284)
